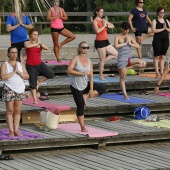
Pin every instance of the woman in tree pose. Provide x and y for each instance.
(12, 74)
(56, 15)
(102, 44)
(124, 42)
(81, 68)
(161, 29)
(137, 20)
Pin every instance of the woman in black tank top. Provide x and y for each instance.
(160, 28)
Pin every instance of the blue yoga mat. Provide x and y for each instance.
(119, 97)
(108, 80)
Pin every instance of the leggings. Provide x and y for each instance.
(78, 95)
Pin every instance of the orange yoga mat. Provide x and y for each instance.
(153, 75)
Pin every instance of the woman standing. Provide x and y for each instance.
(81, 68)
(12, 74)
(139, 16)
(102, 44)
(161, 29)
(56, 15)
(124, 42)
(34, 64)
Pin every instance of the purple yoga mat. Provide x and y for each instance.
(92, 132)
(55, 62)
(47, 105)
(4, 135)
(163, 94)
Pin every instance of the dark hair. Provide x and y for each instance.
(97, 9)
(159, 9)
(9, 49)
(125, 26)
(80, 46)
(137, 1)
(32, 30)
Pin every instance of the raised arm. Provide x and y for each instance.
(96, 28)
(154, 30)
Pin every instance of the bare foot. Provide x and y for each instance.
(158, 76)
(58, 60)
(35, 102)
(83, 129)
(11, 134)
(85, 96)
(156, 90)
(102, 78)
(59, 46)
(37, 86)
(126, 98)
(17, 133)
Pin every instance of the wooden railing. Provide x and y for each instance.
(89, 17)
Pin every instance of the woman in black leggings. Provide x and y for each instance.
(81, 68)
(160, 28)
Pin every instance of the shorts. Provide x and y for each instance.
(56, 30)
(139, 33)
(10, 95)
(101, 44)
(160, 47)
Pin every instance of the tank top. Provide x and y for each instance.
(15, 83)
(163, 34)
(56, 23)
(80, 82)
(103, 34)
(33, 56)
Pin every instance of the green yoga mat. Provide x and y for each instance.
(163, 124)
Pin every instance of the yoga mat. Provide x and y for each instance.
(163, 94)
(119, 97)
(153, 75)
(47, 105)
(92, 132)
(26, 82)
(165, 124)
(4, 135)
(55, 62)
(107, 79)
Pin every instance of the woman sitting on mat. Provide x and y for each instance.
(81, 68)
(123, 42)
(34, 64)
(101, 43)
(13, 92)
(56, 15)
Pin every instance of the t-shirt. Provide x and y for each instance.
(19, 34)
(139, 19)
(33, 56)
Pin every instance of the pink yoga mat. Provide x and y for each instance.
(55, 62)
(92, 132)
(163, 94)
(47, 105)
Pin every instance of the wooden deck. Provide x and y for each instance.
(128, 157)
(127, 132)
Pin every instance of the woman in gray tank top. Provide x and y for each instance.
(82, 85)
(124, 42)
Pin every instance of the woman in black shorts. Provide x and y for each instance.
(161, 29)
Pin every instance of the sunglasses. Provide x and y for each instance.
(85, 48)
(141, 2)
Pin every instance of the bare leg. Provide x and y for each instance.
(161, 79)
(102, 56)
(155, 61)
(161, 62)
(138, 40)
(41, 81)
(34, 92)
(9, 117)
(56, 47)
(17, 116)
(122, 82)
(70, 37)
(150, 34)
(81, 122)
(112, 52)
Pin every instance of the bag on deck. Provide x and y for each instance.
(141, 112)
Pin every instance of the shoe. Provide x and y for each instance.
(111, 75)
(114, 118)
(6, 157)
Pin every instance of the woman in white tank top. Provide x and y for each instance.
(82, 85)
(12, 74)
